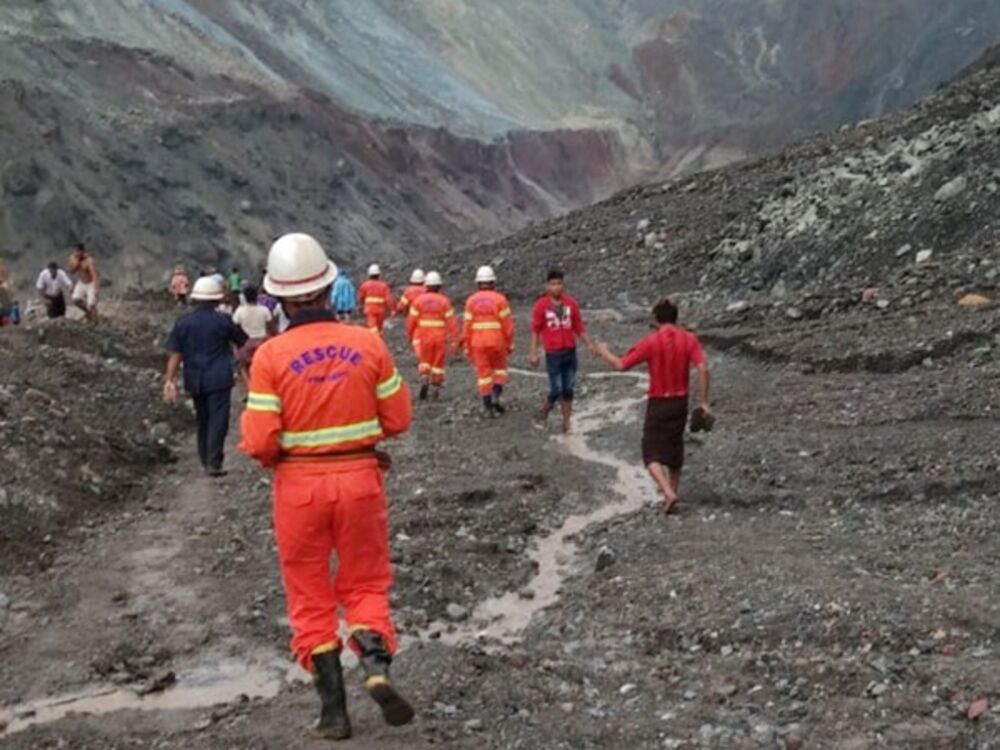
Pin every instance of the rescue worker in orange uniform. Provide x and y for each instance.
(414, 290)
(432, 323)
(375, 299)
(488, 337)
(322, 396)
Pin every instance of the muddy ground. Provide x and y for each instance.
(831, 582)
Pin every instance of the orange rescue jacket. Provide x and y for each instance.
(322, 388)
(432, 315)
(375, 295)
(488, 322)
(409, 294)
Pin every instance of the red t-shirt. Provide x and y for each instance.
(669, 352)
(558, 321)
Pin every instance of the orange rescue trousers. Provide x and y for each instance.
(491, 367)
(375, 318)
(326, 507)
(432, 355)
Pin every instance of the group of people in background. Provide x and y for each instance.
(486, 334)
(80, 281)
(233, 284)
(256, 313)
(486, 337)
(431, 324)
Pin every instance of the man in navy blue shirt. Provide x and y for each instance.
(203, 340)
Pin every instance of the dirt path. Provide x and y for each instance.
(135, 598)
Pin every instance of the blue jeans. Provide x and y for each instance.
(562, 366)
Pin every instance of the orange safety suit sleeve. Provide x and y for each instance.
(507, 323)
(260, 424)
(395, 408)
(411, 321)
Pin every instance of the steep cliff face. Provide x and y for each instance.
(750, 76)
(153, 163)
(200, 128)
(199, 169)
(483, 69)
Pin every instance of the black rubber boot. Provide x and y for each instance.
(333, 724)
(375, 660)
(423, 392)
(488, 412)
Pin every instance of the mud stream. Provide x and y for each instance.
(504, 618)
(198, 688)
(501, 619)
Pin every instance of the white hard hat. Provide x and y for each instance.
(374, 270)
(417, 277)
(296, 267)
(485, 275)
(433, 278)
(207, 289)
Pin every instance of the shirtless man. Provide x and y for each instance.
(84, 268)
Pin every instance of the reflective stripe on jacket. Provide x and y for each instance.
(488, 321)
(375, 294)
(433, 315)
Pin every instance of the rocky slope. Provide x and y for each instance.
(197, 129)
(75, 451)
(887, 214)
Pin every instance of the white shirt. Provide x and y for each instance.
(283, 321)
(52, 286)
(253, 319)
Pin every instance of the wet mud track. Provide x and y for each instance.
(830, 582)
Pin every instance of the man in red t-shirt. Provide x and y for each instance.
(669, 353)
(556, 323)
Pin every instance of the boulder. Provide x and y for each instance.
(951, 189)
(975, 301)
